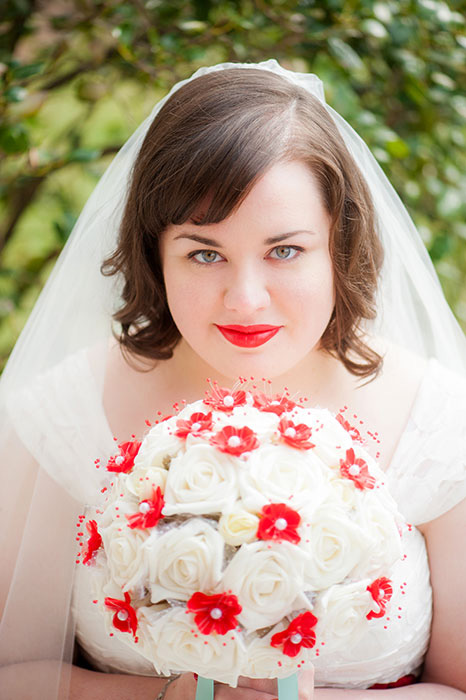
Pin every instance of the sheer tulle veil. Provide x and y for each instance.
(42, 496)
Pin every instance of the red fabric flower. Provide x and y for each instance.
(299, 633)
(125, 618)
(214, 613)
(404, 680)
(235, 441)
(354, 432)
(197, 424)
(225, 399)
(357, 470)
(273, 404)
(278, 522)
(381, 591)
(93, 543)
(124, 462)
(295, 435)
(150, 511)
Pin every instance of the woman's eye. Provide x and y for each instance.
(205, 256)
(285, 252)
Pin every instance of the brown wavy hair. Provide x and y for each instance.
(210, 142)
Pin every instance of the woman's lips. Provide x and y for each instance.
(248, 336)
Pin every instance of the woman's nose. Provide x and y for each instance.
(246, 292)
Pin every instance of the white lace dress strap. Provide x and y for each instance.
(427, 476)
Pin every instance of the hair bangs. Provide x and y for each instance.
(207, 190)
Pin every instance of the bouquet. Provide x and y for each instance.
(247, 535)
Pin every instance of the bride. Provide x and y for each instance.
(243, 231)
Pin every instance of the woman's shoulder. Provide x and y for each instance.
(399, 364)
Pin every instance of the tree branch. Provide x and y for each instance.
(20, 198)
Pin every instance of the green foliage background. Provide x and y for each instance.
(78, 76)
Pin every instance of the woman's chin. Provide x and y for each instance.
(252, 367)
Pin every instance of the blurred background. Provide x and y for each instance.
(78, 76)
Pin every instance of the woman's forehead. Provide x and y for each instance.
(285, 200)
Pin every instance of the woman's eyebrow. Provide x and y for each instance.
(199, 239)
(215, 244)
(284, 236)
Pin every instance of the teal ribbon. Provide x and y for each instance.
(287, 688)
(205, 689)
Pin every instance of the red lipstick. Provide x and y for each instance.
(248, 336)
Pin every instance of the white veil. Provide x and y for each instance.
(45, 492)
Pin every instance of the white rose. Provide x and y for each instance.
(159, 446)
(374, 470)
(342, 492)
(144, 644)
(118, 500)
(265, 661)
(95, 584)
(141, 481)
(238, 526)
(267, 578)
(282, 474)
(335, 545)
(341, 612)
(147, 618)
(184, 560)
(103, 588)
(201, 481)
(381, 525)
(125, 553)
(194, 407)
(330, 438)
(264, 424)
(180, 646)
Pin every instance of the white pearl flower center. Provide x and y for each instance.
(281, 524)
(228, 401)
(354, 470)
(216, 613)
(296, 638)
(122, 615)
(196, 426)
(290, 432)
(144, 507)
(119, 460)
(234, 441)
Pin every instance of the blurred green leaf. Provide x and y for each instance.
(374, 28)
(170, 42)
(64, 227)
(14, 138)
(82, 155)
(202, 9)
(15, 93)
(124, 33)
(440, 247)
(193, 26)
(345, 55)
(398, 148)
(451, 203)
(22, 72)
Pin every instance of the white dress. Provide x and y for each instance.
(427, 477)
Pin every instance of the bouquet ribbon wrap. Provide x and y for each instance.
(287, 688)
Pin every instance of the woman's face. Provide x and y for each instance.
(253, 294)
